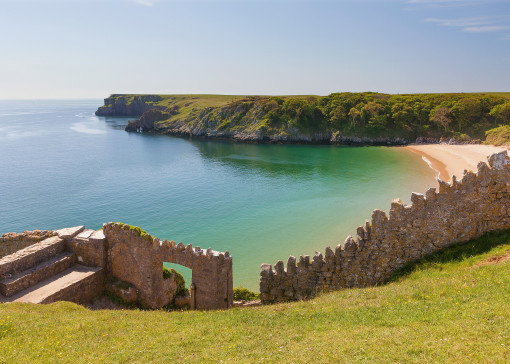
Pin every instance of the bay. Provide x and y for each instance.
(62, 166)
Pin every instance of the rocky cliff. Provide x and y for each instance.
(147, 120)
(129, 105)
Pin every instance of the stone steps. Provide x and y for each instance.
(15, 283)
(31, 256)
(76, 284)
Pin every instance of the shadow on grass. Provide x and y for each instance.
(456, 253)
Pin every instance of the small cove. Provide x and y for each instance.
(63, 166)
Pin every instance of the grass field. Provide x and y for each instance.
(451, 307)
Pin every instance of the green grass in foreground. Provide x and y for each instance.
(447, 308)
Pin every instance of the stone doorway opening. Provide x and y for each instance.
(183, 279)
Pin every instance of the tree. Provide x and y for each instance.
(354, 115)
(337, 117)
(467, 111)
(403, 114)
(501, 112)
(370, 110)
(442, 116)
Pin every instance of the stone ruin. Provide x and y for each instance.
(460, 211)
(139, 261)
(78, 265)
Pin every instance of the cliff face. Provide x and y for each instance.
(129, 105)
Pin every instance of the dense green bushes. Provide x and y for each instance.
(464, 116)
(434, 115)
(498, 136)
(244, 294)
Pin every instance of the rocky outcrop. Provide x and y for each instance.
(128, 105)
(197, 130)
(147, 120)
(459, 211)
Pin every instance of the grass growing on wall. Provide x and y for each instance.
(137, 230)
(451, 307)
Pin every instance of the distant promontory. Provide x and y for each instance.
(365, 118)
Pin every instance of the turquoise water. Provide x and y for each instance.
(62, 166)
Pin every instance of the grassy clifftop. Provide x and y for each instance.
(336, 118)
(451, 307)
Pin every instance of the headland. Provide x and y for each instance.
(365, 118)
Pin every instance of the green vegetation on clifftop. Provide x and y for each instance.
(498, 136)
(451, 307)
(332, 118)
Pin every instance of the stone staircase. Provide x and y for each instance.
(48, 271)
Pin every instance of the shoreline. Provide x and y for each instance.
(451, 160)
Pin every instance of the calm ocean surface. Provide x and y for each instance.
(62, 166)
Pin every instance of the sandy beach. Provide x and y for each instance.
(448, 160)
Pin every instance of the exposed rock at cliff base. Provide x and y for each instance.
(147, 120)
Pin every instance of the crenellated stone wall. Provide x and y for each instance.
(459, 211)
(137, 258)
(12, 242)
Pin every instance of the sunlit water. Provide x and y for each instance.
(62, 166)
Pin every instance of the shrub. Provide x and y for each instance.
(179, 280)
(244, 294)
(498, 136)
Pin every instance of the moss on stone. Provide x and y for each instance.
(137, 230)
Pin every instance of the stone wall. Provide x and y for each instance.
(89, 246)
(458, 212)
(137, 258)
(12, 242)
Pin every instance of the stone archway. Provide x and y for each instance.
(211, 274)
(136, 257)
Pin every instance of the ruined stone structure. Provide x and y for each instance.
(44, 271)
(12, 242)
(77, 265)
(139, 261)
(460, 211)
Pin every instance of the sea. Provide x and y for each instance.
(62, 166)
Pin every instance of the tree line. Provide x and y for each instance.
(461, 116)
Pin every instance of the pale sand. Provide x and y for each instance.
(448, 160)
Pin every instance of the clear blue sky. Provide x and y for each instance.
(89, 49)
